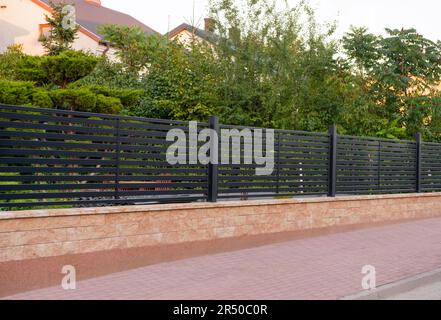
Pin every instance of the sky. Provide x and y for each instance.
(424, 15)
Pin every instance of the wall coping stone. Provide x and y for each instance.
(44, 213)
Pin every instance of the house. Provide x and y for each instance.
(23, 22)
(186, 34)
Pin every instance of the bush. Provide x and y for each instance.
(87, 100)
(24, 93)
(108, 104)
(48, 81)
(30, 68)
(59, 70)
(68, 67)
(127, 97)
(41, 98)
(8, 62)
(74, 99)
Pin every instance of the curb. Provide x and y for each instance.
(399, 287)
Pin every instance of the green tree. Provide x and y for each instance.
(9, 60)
(400, 73)
(177, 82)
(112, 74)
(63, 29)
(134, 46)
(181, 84)
(278, 66)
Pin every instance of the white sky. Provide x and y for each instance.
(424, 15)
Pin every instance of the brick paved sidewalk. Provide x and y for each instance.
(326, 267)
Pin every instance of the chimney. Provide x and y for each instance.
(94, 2)
(210, 24)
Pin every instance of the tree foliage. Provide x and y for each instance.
(264, 65)
(177, 82)
(63, 29)
(55, 82)
(59, 70)
(401, 72)
(9, 60)
(135, 48)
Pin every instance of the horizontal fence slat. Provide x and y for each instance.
(98, 194)
(107, 185)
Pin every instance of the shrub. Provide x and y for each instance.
(68, 67)
(41, 98)
(128, 97)
(29, 68)
(87, 100)
(8, 62)
(108, 104)
(59, 70)
(74, 99)
(24, 93)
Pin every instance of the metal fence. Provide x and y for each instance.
(63, 158)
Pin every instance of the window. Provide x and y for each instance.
(45, 31)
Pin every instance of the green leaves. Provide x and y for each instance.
(23, 93)
(86, 98)
(277, 66)
(400, 74)
(181, 84)
(392, 130)
(264, 66)
(177, 82)
(362, 48)
(135, 48)
(58, 70)
(9, 60)
(68, 67)
(59, 38)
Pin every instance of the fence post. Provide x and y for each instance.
(379, 165)
(278, 163)
(117, 150)
(332, 172)
(419, 144)
(213, 168)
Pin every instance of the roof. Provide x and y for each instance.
(206, 35)
(91, 15)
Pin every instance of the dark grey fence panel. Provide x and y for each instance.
(431, 167)
(300, 168)
(54, 157)
(375, 166)
(239, 180)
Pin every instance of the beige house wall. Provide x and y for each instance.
(185, 37)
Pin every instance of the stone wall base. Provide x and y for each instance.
(35, 245)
